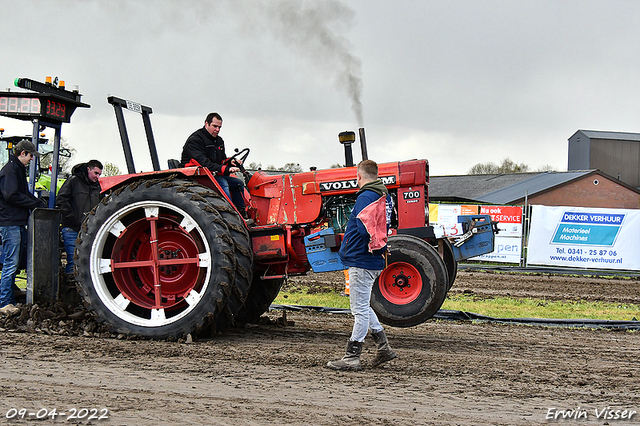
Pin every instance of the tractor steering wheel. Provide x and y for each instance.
(242, 156)
(237, 156)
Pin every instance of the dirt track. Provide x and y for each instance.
(447, 373)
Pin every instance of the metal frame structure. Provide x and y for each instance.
(145, 111)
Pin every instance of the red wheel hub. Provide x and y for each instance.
(400, 283)
(156, 263)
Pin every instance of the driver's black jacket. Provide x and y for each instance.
(16, 202)
(206, 150)
(77, 196)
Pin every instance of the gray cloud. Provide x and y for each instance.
(456, 82)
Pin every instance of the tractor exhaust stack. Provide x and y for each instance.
(363, 144)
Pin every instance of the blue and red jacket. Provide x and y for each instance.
(364, 241)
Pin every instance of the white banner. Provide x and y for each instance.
(505, 249)
(508, 242)
(583, 237)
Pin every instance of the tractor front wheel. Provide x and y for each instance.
(413, 286)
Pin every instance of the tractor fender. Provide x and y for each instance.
(109, 183)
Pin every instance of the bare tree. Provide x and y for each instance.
(546, 168)
(292, 168)
(507, 166)
(66, 154)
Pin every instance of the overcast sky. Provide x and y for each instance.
(455, 82)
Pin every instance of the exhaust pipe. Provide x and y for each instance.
(363, 144)
(347, 139)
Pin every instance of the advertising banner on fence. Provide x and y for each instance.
(444, 218)
(509, 219)
(508, 244)
(585, 237)
(505, 250)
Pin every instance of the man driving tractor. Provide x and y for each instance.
(206, 147)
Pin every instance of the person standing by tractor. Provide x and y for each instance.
(363, 252)
(206, 147)
(77, 196)
(16, 203)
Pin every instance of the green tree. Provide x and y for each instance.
(110, 169)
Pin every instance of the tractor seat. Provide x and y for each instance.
(173, 163)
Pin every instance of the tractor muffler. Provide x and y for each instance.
(347, 139)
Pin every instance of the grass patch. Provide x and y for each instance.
(499, 307)
(506, 307)
(302, 296)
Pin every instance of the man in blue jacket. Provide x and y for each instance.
(16, 203)
(363, 251)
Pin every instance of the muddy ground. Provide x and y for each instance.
(447, 373)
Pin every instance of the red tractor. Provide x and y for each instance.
(166, 253)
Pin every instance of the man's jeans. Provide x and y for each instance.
(12, 237)
(233, 187)
(365, 319)
(69, 237)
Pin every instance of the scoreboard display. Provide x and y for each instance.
(54, 104)
(29, 106)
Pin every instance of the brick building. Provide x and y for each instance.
(590, 188)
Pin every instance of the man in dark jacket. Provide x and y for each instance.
(76, 197)
(362, 250)
(207, 148)
(16, 203)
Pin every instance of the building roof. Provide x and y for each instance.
(596, 134)
(534, 185)
(497, 188)
(467, 188)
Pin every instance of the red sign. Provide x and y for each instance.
(503, 214)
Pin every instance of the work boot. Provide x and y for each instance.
(246, 217)
(351, 359)
(385, 353)
(9, 310)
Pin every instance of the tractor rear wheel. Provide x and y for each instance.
(242, 248)
(155, 262)
(261, 295)
(413, 286)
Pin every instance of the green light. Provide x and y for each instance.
(16, 81)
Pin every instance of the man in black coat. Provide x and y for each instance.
(207, 149)
(16, 203)
(77, 196)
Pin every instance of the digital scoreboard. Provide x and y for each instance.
(28, 106)
(50, 103)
